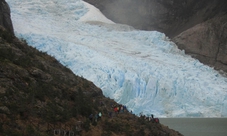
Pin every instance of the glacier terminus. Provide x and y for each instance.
(143, 70)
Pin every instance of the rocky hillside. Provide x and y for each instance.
(198, 27)
(39, 96)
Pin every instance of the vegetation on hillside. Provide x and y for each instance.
(40, 97)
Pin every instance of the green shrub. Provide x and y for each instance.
(7, 53)
(7, 36)
(141, 132)
(106, 133)
(11, 132)
(24, 41)
(23, 61)
(30, 130)
(87, 125)
(94, 123)
(113, 126)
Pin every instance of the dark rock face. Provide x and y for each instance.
(168, 16)
(198, 27)
(207, 42)
(5, 19)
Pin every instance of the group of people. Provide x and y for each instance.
(119, 108)
(95, 117)
(151, 118)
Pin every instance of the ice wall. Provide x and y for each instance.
(142, 69)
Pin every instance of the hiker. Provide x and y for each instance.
(115, 109)
(91, 117)
(141, 114)
(101, 103)
(152, 116)
(124, 108)
(121, 109)
(110, 114)
(112, 106)
(118, 109)
(100, 115)
(96, 117)
(156, 120)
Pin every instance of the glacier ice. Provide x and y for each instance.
(143, 70)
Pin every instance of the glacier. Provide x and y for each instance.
(143, 70)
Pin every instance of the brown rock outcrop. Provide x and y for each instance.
(207, 42)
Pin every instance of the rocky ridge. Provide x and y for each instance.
(5, 19)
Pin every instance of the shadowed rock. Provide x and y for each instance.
(5, 19)
(207, 42)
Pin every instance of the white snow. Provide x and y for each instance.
(94, 14)
(141, 69)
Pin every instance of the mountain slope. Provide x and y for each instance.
(38, 95)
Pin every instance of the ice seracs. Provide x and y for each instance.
(140, 69)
